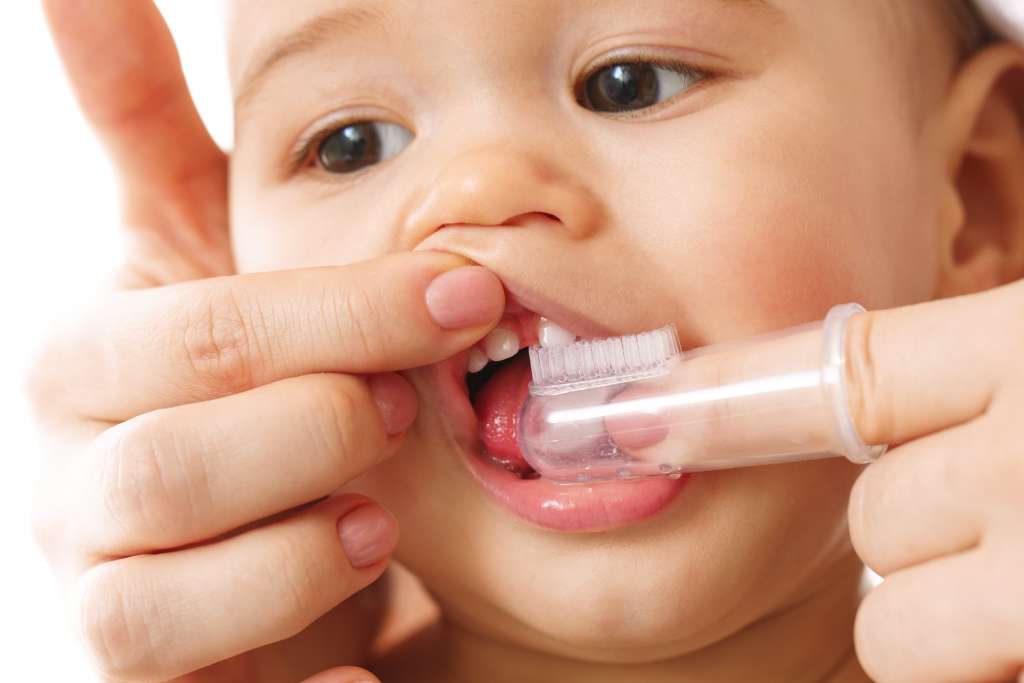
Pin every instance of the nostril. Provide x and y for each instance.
(520, 221)
(532, 218)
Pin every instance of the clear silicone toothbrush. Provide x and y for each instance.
(636, 406)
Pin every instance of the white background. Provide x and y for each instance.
(59, 214)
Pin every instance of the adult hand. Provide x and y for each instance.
(941, 515)
(198, 422)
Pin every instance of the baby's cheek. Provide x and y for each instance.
(792, 272)
(767, 267)
(299, 225)
(836, 248)
(797, 213)
(782, 248)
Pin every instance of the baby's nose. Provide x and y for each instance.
(494, 186)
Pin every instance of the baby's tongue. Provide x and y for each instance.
(497, 408)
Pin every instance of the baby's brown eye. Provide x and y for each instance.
(630, 86)
(358, 145)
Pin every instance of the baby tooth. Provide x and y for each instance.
(551, 334)
(477, 360)
(501, 344)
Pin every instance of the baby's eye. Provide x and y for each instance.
(357, 145)
(629, 86)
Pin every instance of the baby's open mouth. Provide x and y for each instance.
(482, 392)
(500, 387)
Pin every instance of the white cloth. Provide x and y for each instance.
(1006, 16)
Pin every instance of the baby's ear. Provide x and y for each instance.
(983, 205)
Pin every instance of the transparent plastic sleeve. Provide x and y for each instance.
(775, 398)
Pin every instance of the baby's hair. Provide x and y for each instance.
(971, 31)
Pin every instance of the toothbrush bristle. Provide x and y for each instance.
(597, 359)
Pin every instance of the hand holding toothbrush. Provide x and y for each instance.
(941, 515)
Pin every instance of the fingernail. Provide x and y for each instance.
(465, 297)
(368, 534)
(396, 401)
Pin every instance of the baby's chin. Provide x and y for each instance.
(630, 603)
(701, 569)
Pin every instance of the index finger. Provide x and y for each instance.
(920, 369)
(199, 340)
(124, 68)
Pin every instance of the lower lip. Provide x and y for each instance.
(558, 507)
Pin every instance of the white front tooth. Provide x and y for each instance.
(501, 344)
(551, 334)
(477, 360)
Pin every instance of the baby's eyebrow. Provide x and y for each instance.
(307, 38)
(346, 21)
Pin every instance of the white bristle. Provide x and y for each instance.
(602, 361)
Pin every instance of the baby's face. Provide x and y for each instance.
(731, 166)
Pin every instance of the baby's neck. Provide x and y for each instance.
(810, 641)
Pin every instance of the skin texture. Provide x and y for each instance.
(840, 152)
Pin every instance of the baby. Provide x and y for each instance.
(729, 166)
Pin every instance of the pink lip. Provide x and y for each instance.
(523, 297)
(573, 507)
(558, 507)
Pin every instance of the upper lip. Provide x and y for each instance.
(530, 299)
